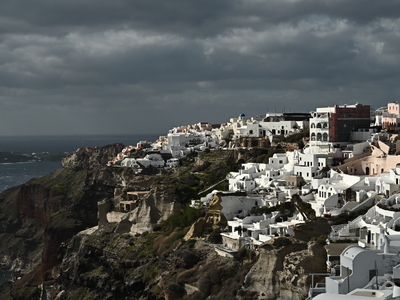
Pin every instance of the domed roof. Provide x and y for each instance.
(241, 115)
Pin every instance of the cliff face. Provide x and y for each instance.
(283, 267)
(37, 202)
(47, 226)
(155, 208)
(90, 158)
(36, 217)
(213, 219)
(25, 213)
(101, 264)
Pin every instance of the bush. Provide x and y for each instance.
(242, 253)
(196, 296)
(259, 210)
(320, 239)
(162, 244)
(183, 219)
(204, 284)
(191, 243)
(187, 276)
(189, 258)
(215, 236)
(176, 289)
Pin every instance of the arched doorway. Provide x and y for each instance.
(367, 171)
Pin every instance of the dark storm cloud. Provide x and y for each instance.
(95, 66)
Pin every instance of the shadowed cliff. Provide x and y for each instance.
(47, 226)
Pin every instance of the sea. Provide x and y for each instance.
(13, 174)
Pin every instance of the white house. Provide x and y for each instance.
(150, 160)
(388, 183)
(358, 266)
(309, 164)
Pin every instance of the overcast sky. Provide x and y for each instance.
(144, 66)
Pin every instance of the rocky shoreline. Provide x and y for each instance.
(15, 157)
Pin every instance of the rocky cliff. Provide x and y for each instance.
(283, 268)
(100, 264)
(48, 231)
(36, 217)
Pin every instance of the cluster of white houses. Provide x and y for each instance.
(346, 166)
(370, 268)
(180, 141)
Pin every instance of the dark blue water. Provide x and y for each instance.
(4, 275)
(18, 173)
(13, 174)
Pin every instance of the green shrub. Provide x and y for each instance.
(215, 236)
(191, 243)
(183, 219)
(176, 289)
(204, 285)
(320, 239)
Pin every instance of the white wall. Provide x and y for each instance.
(231, 205)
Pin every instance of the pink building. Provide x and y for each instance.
(391, 118)
(374, 163)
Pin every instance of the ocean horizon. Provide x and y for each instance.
(67, 143)
(13, 174)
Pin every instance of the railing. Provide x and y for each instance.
(319, 288)
(352, 224)
(390, 115)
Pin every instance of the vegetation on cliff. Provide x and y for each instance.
(41, 219)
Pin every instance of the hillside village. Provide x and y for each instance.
(349, 164)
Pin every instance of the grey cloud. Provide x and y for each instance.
(92, 64)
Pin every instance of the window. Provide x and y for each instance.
(313, 136)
